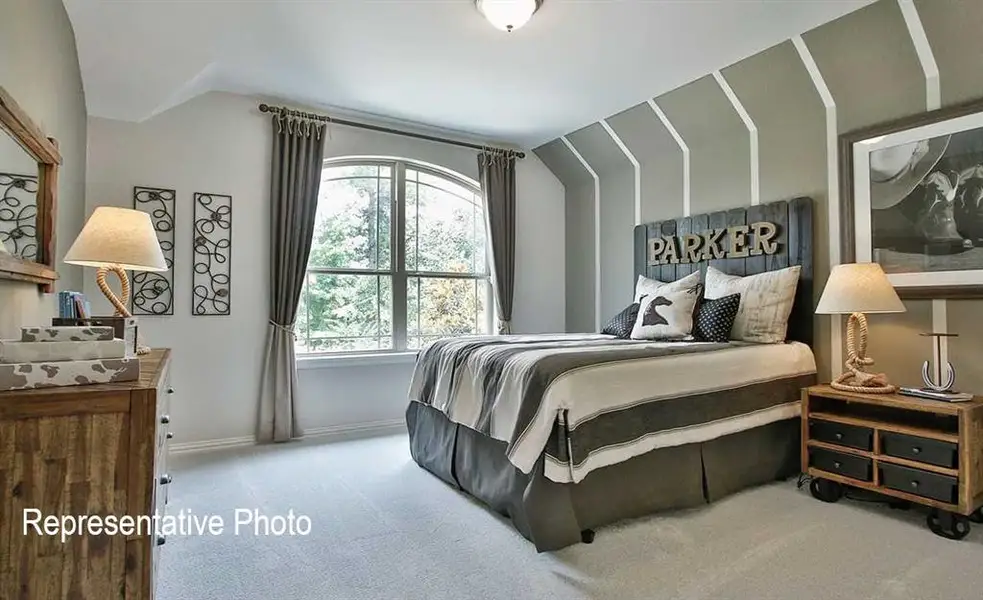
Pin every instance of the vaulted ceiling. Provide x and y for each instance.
(433, 62)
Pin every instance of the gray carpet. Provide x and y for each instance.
(383, 528)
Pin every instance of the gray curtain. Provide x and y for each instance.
(298, 150)
(496, 174)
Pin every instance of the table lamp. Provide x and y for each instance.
(854, 289)
(114, 240)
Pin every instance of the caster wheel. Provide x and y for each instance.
(948, 525)
(976, 516)
(587, 536)
(826, 490)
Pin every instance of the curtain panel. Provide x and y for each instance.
(298, 154)
(496, 174)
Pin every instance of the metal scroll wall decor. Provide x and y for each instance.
(211, 280)
(19, 214)
(153, 293)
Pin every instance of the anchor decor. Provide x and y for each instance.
(939, 384)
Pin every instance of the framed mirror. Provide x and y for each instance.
(28, 197)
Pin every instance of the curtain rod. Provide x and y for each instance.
(283, 110)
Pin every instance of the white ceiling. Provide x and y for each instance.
(432, 62)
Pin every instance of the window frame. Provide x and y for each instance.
(397, 271)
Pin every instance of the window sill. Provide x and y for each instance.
(328, 361)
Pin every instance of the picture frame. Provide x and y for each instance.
(911, 199)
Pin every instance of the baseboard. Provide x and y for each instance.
(332, 433)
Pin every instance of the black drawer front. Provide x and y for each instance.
(921, 483)
(933, 452)
(842, 435)
(848, 465)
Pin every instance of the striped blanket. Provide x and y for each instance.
(591, 400)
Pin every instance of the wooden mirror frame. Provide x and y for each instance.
(45, 150)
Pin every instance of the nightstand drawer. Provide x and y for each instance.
(848, 465)
(842, 435)
(921, 483)
(933, 452)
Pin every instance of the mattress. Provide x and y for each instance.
(589, 400)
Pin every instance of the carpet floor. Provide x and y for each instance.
(382, 528)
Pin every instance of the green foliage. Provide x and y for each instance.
(444, 234)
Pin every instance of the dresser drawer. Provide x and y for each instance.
(853, 436)
(848, 465)
(921, 483)
(933, 452)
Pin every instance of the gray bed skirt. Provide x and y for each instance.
(551, 515)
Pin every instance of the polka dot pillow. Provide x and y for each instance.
(715, 318)
(622, 323)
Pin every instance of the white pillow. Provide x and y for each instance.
(766, 302)
(667, 315)
(647, 287)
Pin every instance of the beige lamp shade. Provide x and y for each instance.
(858, 288)
(118, 236)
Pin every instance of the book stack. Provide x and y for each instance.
(934, 395)
(59, 356)
(73, 305)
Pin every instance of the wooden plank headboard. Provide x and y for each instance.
(674, 243)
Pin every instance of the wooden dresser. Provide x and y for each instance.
(86, 450)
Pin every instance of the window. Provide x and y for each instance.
(398, 259)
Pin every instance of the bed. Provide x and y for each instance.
(565, 433)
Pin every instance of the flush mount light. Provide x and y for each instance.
(508, 15)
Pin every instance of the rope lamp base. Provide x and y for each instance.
(118, 303)
(856, 379)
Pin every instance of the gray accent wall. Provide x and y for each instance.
(719, 145)
(579, 227)
(616, 176)
(869, 63)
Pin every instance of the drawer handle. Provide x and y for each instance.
(165, 479)
(914, 484)
(165, 419)
(916, 450)
(170, 434)
(170, 390)
(161, 540)
(837, 464)
(838, 435)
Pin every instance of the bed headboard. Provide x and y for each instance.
(739, 241)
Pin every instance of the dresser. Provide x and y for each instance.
(86, 450)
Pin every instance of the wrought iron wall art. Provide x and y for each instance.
(153, 293)
(19, 214)
(211, 279)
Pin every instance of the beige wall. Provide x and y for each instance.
(868, 62)
(39, 67)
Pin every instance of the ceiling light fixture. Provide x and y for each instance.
(508, 15)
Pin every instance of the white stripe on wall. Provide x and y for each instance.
(933, 100)
(597, 230)
(752, 134)
(634, 164)
(833, 191)
(682, 147)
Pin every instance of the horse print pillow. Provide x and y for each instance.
(667, 315)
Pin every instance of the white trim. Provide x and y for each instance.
(832, 194)
(597, 230)
(933, 91)
(328, 361)
(752, 131)
(332, 433)
(933, 100)
(634, 163)
(682, 146)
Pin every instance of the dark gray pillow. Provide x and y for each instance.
(622, 323)
(715, 318)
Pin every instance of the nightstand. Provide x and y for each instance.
(923, 451)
